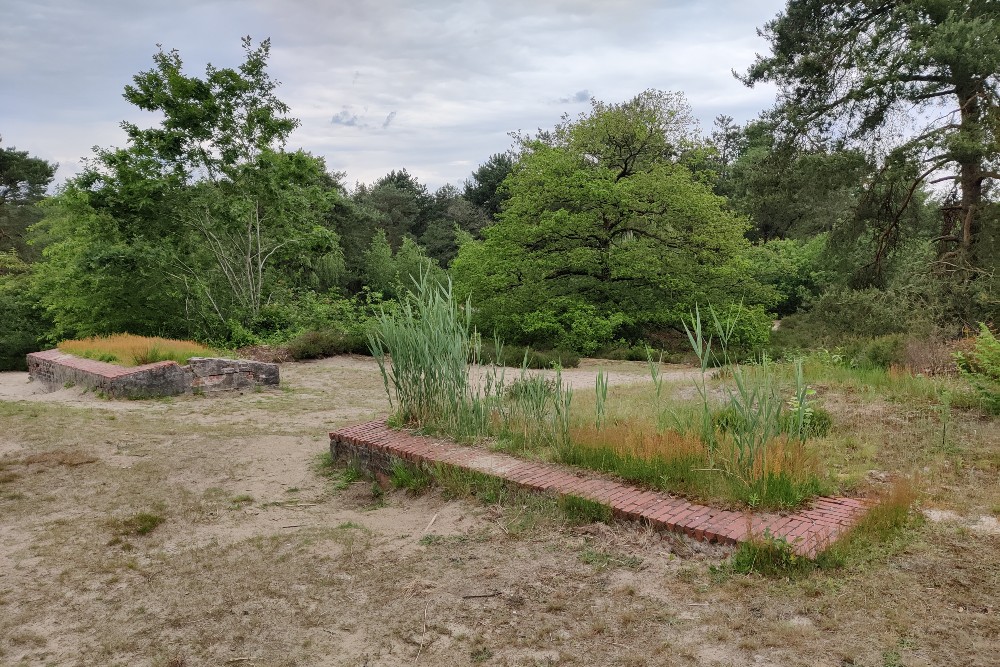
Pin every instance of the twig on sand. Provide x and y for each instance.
(481, 595)
(433, 519)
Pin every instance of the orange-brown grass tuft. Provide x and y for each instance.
(783, 476)
(129, 350)
(633, 441)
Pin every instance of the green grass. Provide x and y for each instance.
(880, 533)
(603, 559)
(341, 476)
(138, 524)
(414, 478)
(582, 511)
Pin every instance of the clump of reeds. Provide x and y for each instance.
(128, 350)
(423, 351)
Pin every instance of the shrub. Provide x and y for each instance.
(981, 366)
(515, 357)
(880, 352)
(321, 343)
(22, 324)
(747, 330)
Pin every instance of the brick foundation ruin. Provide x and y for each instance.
(55, 369)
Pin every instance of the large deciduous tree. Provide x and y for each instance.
(190, 227)
(865, 70)
(604, 234)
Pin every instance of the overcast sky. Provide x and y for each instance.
(432, 86)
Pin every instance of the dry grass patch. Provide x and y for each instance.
(59, 457)
(130, 350)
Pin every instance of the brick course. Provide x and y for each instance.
(809, 531)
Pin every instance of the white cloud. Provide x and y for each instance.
(434, 87)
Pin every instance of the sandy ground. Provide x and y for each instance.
(261, 560)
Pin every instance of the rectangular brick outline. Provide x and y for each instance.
(94, 367)
(809, 531)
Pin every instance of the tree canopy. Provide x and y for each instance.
(23, 180)
(865, 70)
(196, 221)
(604, 234)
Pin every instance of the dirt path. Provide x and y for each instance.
(260, 560)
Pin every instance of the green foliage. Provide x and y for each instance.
(394, 274)
(847, 71)
(841, 314)
(795, 269)
(318, 344)
(880, 352)
(768, 555)
(23, 180)
(483, 189)
(528, 357)
(816, 423)
(756, 438)
(604, 235)
(199, 222)
(981, 366)
(140, 523)
(423, 352)
(23, 326)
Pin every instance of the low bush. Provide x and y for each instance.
(880, 352)
(322, 343)
(516, 357)
(22, 323)
(981, 366)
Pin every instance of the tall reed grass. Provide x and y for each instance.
(424, 348)
(423, 352)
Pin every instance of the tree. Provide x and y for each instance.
(393, 274)
(451, 215)
(483, 189)
(791, 191)
(857, 69)
(604, 233)
(23, 180)
(198, 219)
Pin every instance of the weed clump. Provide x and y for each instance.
(140, 523)
(580, 511)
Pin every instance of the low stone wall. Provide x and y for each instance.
(209, 374)
(55, 369)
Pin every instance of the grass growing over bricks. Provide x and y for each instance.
(678, 462)
(456, 482)
(877, 535)
(129, 350)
